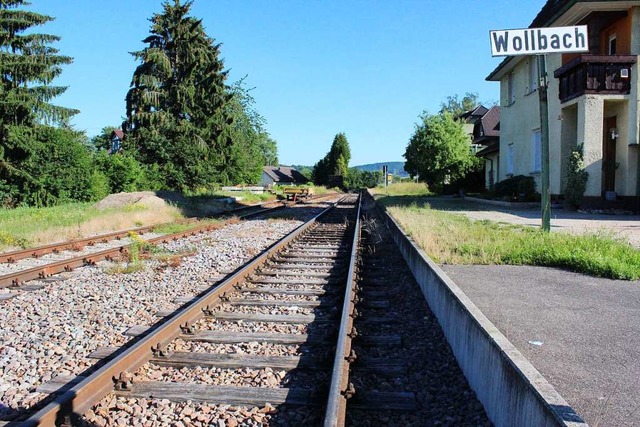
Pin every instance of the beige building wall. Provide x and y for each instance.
(518, 120)
(572, 123)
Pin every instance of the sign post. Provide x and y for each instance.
(540, 42)
(545, 196)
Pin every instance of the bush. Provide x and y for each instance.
(519, 187)
(58, 169)
(576, 179)
(122, 170)
(99, 186)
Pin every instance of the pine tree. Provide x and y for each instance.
(176, 115)
(28, 65)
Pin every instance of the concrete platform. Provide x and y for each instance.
(589, 330)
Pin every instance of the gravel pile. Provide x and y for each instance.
(273, 309)
(50, 331)
(250, 327)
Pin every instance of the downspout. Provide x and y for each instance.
(491, 173)
(635, 119)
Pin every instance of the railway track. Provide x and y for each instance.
(300, 283)
(61, 257)
(274, 343)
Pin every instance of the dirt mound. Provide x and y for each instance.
(145, 198)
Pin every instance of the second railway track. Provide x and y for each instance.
(61, 257)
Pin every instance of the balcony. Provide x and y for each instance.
(595, 74)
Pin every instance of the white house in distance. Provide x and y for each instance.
(593, 100)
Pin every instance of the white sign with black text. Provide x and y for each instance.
(531, 41)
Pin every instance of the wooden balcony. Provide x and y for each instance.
(595, 74)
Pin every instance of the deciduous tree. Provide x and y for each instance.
(439, 150)
(457, 106)
(252, 148)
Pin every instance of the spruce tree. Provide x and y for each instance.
(176, 115)
(28, 65)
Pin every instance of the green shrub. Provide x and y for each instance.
(519, 187)
(58, 170)
(122, 170)
(99, 185)
(576, 179)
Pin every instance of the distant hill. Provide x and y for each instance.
(396, 168)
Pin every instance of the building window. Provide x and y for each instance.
(612, 46)
(511, 94)
(533, 74)
(537, 150)
(510, 159)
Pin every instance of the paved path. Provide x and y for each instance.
(589, 327)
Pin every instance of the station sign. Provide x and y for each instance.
(534, 41)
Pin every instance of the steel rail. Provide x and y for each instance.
(44, 271)
(71, 404)
(338, 390)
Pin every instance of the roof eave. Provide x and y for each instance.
(505, 66)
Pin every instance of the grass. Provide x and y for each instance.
(174, 227)
(450, 238)
(249, 197)
(27, 227)
(320, 190)
(403, 189)
(140, 250)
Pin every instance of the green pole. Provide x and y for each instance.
(544, 141)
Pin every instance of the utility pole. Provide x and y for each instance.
(545, 202)
(385, 170)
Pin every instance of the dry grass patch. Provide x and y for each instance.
(28, 227)
(450, 238)
(107, 222)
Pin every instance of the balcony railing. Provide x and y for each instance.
(595, 74)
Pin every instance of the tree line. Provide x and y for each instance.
(438, 153)
(186, 127)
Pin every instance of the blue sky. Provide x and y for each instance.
(365, 68)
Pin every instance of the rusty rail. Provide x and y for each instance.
(13, 256)
(339, 390)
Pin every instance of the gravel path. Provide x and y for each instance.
(582, 333)
(50, 331)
